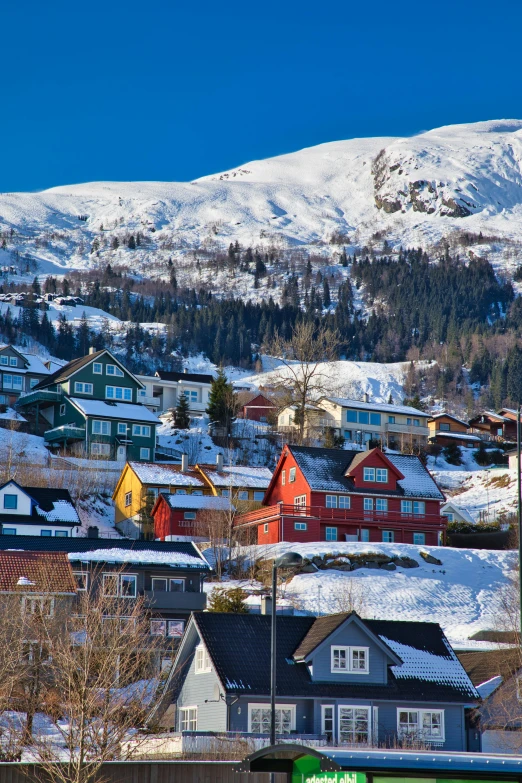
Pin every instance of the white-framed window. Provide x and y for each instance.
(33, 382)
(193, 395)
(300, 500)
(100, 427)
(122, 428)
(144, 453)
(143, 430)
(165, 584)
(13, 362)
(291, 475)
(425, 725)
(14, 382)
(448, 516)
(369, 474)
(283, 477)
(112, 369)
(225, 493)
(128, 499)
(331, 501)
(327, 720)
(38, 605)
(406, 506)
(4, 360)
(368, 504)
(61, 534)
(259, 495)
(381, 475)
(388, 536)
(188, 719)
(119, 585)
(300, 526)
(82, 580)
(242, 494)
(419, 507)
(62, 409)
(391, 419)
(100, 449)
(352, 660)
(381, 505)
(203, 663)
(259, 718)
(97, 368)
(354, 725)
(189, 515)
(365, 534)
(419, 539)
(331, 534)
(344, 501)
(118, 393)
(265, 527)
(82, 388)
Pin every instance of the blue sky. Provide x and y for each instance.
(164, 90)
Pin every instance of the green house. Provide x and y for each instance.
(90, 406)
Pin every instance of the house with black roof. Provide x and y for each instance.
(355, 682)
(37, 511)
(163, 390)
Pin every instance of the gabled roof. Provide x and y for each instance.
(36, 572)
(51, 505)
(245, 398)
(65, 372)
(325, 470)
(166, 375)
(438, 416)
(33, 363)
(166, 475)
(237, 476)
(239, 646)
(483, 665)
(450, 506)
(362, 456)
(381, 407)
(196, 502)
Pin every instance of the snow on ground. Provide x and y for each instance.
(464, 594)
(484, 493)
(22, 448)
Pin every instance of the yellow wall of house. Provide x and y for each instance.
(129, 483)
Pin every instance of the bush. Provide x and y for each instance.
(229, 601)
(452, 454)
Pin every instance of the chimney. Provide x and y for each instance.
(266, 604)
(93, 531)
(366, 397)
(92, 350)
(219, 463)
(184, 463)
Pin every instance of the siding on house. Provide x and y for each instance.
(350, 635)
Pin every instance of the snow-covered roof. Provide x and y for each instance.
(197, 502)
(451, 507)
(62, 511)
(115, 410)
(165, 475)
(35, 364)
(239, 476)
(174, 559)
(456, 435)
(423, 665)
(417, 481)
(345, 402)
(485, 689)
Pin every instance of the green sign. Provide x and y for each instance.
(307, 769)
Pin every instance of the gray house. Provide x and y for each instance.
(358, 682)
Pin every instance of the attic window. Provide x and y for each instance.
(291, 475)
(4, 360)
(203, 664)
(11, 501)
(350, 660)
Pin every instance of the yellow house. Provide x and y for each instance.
(140, 481)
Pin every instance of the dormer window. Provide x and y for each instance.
(350, 660)
(4, 360)
(12, 361)
(11, 502)
(380, 475)
(369, 474)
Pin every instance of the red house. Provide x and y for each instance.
(335, 495)
(175, 515)
(255, 406)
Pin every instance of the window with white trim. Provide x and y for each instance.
(354, 660)
(381, 475)
(144, 453)
(300, 500)
(331, 501)
(369, 474)
(189, 516)
(265, 527)
(427, 725)
(419, 507)
(331, 534)
(259, 718)
(344, 501)
(62, 409)
(122, 428)
(368, 504)
(83, 388)
(388, 536)
(38, 605)
(97, 368)
(327, 720)
(118, 393)
(291, 475)
(300, 526)
(82, 580)
(100, 449)
(203, 663)
(406, 506)
(100, 427)
(33, 382)
(143, 430)
(128, 499)
(112, 369)
(354, 725)
(242, 494)
(13, 362)
(188, 719)
(4, 360)
(419, 539)
(283, 477)
(381, 505)
(119, 585)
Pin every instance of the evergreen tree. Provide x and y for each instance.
(452, 454)
(83, 336)
(115, 243)
(326, 293)
(229, 601)
(181, 414)
(222, 404)
(131, 243)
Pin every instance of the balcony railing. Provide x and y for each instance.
(63, 433)
(191, 602)
(321, 514)
(41, 395)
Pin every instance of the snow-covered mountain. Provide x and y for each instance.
(409, 191)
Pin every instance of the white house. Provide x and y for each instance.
(163, 389)
(454, 513)
(37, 511)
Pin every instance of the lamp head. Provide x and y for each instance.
(288, 560)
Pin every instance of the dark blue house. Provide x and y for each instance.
(359, 682)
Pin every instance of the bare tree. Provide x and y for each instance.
(217, 528)
(301, 378)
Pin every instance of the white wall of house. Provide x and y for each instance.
(23, 501)
(36, 530)
(165, 394)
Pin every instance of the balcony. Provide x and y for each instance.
(154, 402)
(64, 433)
(42, 395)
(189, 602)
(407, 429)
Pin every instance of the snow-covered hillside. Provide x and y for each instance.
(414, 191)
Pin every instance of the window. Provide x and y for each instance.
(141, 429)
(82, 580)
(41, 606)
(391, 419)
(144, 453)
(351, 416)
(242, 494)
(46, 533)
(13, 382)
(421, 724)
(189, 515)
(101, 427)
(365, 534)
(300, 525)
(97, 368)
(160, 584)
(177, 585)
(175, 628)
(344, 501)
(4, 360)
(119, 585)
(265, 527)
(448, 516)
(82, 388)
(381, 505)
(416, 422)
(258, 495)
(331, 501)
(182, 492)
(406, 506)
(259, 718)
(347, 434)
(188, 719)
(408, 422)
(300, 500)
(101, 449)
(331, 534)
(62, 409)
(368, 504)
(122, 428)
(9, 531)
(388, 536)
(61, 534)
(33, 382)
(327, 721)
(225, 493)
(354, 725)
(11, 501)
(381, 475)
(419, 539)
(203, 663)
(350, 659)
(444, 427)
(375, 419)
(291, 475)
(193, 395)
(283, 477)
(364, 417)
(158, 627)
(369, 474)
(419, 507)
(13, 362)
(118, 393)
(112, 369)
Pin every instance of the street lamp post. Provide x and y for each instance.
(288, 560)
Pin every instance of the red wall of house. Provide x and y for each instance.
(168, 522)
(374, 460)
(262, 408)
(287, 493)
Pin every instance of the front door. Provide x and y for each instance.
(121, 453)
